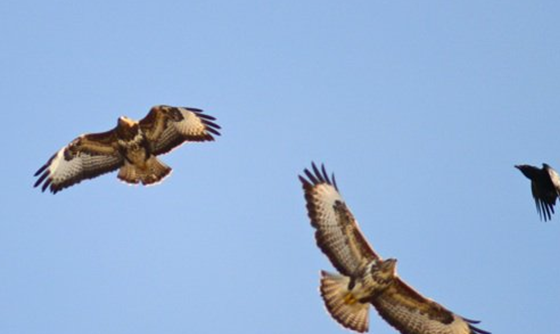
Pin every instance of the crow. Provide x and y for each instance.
(545, 186)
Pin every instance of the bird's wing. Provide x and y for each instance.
(86, 157)
(545, 208)
(411, 313)
(554, 178)
(337, 232)
(168, 127)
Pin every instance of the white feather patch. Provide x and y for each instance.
(62, 169)
(325, 196)
(191, 124)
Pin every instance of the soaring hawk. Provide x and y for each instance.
(545, 186)
(132, 147)
(365, 278)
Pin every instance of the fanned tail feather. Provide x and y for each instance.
(341, 304)
(153, 171)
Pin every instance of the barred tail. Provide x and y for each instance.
(152, 172)
(341, 303)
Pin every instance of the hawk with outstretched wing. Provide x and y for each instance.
(545, 187)
(131, 147)
(365, 278)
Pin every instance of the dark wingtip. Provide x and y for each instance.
(40, 170)
(303, 181)
(316, 175)
(334, 181)
(207, 121)
(40, 180)
(475, 329)
(46, 184)
(324, 173)
(215, 132)
(310, 176)
(546, 211)
(205, 116)
(211, 124)
(478, 330)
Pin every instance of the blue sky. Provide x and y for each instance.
(421, 110)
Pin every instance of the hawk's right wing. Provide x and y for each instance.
(86, 157)
(337, 232)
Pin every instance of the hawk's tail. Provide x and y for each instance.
(153, 171)
(341, 303)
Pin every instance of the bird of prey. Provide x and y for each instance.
(545, 186)
(365, 278)
(131, 147)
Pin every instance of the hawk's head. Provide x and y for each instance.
(127, 128)
(389, 267)
(383, 272)
(126, 122)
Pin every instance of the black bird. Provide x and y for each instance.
(545, 186)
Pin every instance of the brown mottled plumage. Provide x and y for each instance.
(131, 147)
(365, 278)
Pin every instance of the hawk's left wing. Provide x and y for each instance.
(167, 127)
(411, 313)
(338, 234)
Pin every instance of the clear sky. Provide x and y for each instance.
(420, 109)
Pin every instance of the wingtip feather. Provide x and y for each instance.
(211, 124)
(475, 329)
(40, 170)
(317, 175)
(46, 184)
(205, 116)
(213, 131)
(310, 176)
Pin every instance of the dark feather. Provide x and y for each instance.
(545, 188)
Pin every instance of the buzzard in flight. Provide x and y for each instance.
(365, 278)
(545, 186)
(131, 147)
